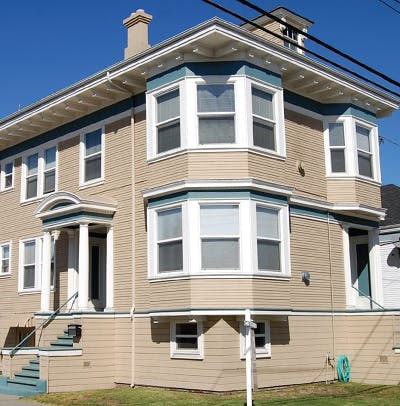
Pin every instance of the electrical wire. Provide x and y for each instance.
(320, 42)
(388, 5)
(246, 20)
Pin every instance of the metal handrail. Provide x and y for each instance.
(369, 297)
(17, 347)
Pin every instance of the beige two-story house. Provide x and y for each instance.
(154, 211)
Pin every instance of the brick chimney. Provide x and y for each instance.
(138, 36)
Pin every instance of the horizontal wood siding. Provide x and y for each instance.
(123, 350)
(310, 253)
(271, 26)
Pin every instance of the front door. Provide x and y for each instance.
(360, 270)
(97, 273)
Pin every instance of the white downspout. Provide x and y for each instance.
(249, 383)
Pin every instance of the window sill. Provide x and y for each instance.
(258, 356)
(216, 149)
(5, 275)
(8, 190)
(230, 275)
(87, 185)
(29, 291)
(197, 357)
(30, 201)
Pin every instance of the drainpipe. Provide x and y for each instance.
(249, 383)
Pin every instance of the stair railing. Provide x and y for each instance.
(45, 321)
(370, 298)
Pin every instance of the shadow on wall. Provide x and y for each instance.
(393, 258)
(16, 334)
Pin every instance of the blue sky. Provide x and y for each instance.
(46, 45)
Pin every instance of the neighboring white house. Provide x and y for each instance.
(390, 246)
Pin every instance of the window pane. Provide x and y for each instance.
(49, 182)
(362, 138)
(93, 168)
(168, 136)
(267, 222)
(336, 134)
(364, 165)
(8, 181)
(50, 158)
(170, 256)
(170, 224)
(262, 103)
(219, 220)
(186, 329)
(5, 263)
(29, 252)
(264, 134)
(268, 255)
(186, 343)
(9, 168)
(29, 277)
(31, 187)
(215, 98)
(217, 253)
(32, 164)
(260, 342)
(338, 163)
(5, 251)
(93, 142)
(168, 106)
(216, 130)
(260, 328)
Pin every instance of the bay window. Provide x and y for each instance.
(364, 155)
(337, 147)
(208, 237)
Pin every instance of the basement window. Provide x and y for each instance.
(187, 340)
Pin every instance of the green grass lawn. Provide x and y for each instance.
(313, 394)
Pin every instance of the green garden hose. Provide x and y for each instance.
(343, 368)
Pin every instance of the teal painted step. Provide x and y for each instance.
(27, 373)
(62, 343)
(66, 337)
(31, 368)
(22, 381)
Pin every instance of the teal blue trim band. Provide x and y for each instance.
(323, 214)
(75, 125)
(77, 216)
(213, 68)
(334, 109)
(217, 194)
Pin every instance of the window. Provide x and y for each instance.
(169, 240)
(364, 155)
(216, 113)
(219, 232)
(337, 147)
(213, 112)
(93, 156)
(5, 259)
(32, 171)
(289, 32)
(263, 119)
(268, 239)
(262, 339)
(187, 340)
(168, 122)
(7, 176)
(210, 237)
(39, 173)
(29, 265)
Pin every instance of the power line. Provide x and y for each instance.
(388, 5)
(382, 140)
(323, 43)
(246, 20)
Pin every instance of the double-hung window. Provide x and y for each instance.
(263, 119)
(292, 34)
(49, 171)
(169, 240)
(30, 268)
(7, 176)
(32, 176)
(364, 154)
(168, 121)
(262, 339)
(93, 156)
(219, 234)
(186, 340)
(216, 113)
(337, 147)
(268, 239)
(5, 259)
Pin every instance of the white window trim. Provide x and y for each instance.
(38, 262)
(92, 182)
(351, 156)
(187, 354)
(189, 123)
(192, 242)
(3, 164)
(5, 274)
(264, 352)
(40, 172)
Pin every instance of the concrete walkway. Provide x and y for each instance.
(10, 400)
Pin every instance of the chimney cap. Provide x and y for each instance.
(139, 16)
